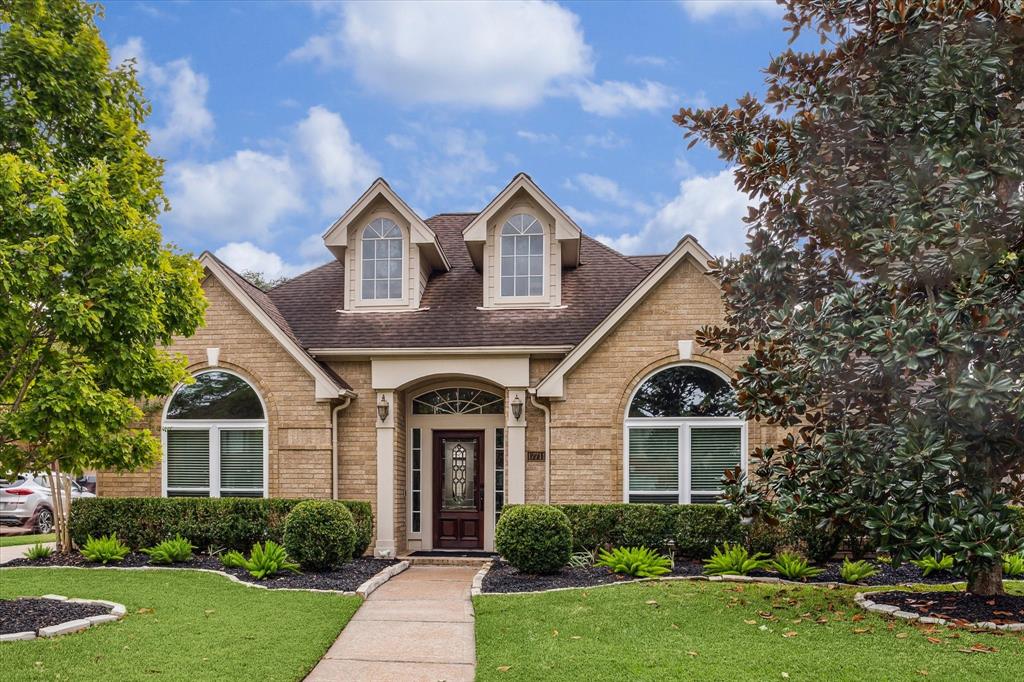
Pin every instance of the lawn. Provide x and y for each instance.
(721, 631)
(181, 625)
(12, 540)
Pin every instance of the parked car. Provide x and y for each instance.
(26, 501)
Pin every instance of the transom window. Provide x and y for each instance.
(215, 439)
(522, 256)
(458, 401)
(683, 431)
(382, 260)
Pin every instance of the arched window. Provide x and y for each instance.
(382, 260)
(522, 256)
(683, 431)
(215, 439)
(458, 401)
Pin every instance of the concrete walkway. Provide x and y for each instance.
(418, 627)
(18, 551)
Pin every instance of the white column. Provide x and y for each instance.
(515, 447)
(385, 546)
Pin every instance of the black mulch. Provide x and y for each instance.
(504, 578)
(29, 614)
(891, 575)
(344, 578)
(957, 606)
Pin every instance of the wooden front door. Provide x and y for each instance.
(458, 489)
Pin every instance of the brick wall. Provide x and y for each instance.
(535, 471)
(357, 436)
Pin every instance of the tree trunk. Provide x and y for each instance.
(986, 580)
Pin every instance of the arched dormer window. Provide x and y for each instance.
(522, 257)
(382, 259)
(215, 439)
(683, 431)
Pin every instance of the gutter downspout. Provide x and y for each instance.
(334, 445)
(547, 443)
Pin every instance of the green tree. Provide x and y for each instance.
(261, 281)
(882, 295)
(88, 291)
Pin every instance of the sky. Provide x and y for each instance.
(273, 117)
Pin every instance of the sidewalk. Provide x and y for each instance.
(418, 627)
(18, 551)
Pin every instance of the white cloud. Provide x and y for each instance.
(179, 94)
(453, 166)
(340, 165)
(609, 140)
(503, 55)
(702, 10)
(646, 60)
(607, 190)
(537, 138)
(593, 220)
(400, 142)
(246, 256)
(613, 98)
(241, 196)
(708, 207)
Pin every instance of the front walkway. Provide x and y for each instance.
(18, 551)
(418, 627)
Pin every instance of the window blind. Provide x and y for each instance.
(653, 459)
(712, 451)
(241, 459)
(188, 458)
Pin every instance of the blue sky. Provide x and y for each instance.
(273, 117)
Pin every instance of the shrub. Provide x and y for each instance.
(1013, 565)
(319, 534)
(794, 567)
(104, 549)
(232, 559)
(231, 523)
(930, 564)
(734, 560)
(269, 559)
(38, 551)
(765, 535)
(700, 527)
(534, 538)
(170, 551)
(818, 543)
(855, 571)
(640, 562)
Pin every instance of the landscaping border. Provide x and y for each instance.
(371, 585)
(117, 612)
(861, 599)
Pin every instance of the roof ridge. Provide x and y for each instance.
(301, 274)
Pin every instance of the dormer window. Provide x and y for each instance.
(382, 261)
(522, 256)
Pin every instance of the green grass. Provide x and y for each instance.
(181, 625)
(685, 630)
(12, 540)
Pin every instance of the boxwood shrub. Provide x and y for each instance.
(535, 538)
(223, 523)
(319, 534)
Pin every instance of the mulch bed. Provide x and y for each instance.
(891, 575)
(504, 578)
(959, 607)
(28, 614)
(344, 578)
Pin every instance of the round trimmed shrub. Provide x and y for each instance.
(534, 538)
(319, 534)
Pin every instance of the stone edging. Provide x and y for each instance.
(478, 580)
(861, 599)
(367, 588)
(117, 612)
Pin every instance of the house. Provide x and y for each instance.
(443, 368)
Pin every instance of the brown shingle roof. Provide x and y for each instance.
(310, 303)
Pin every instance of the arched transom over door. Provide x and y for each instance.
(682, 431)
(215, 439)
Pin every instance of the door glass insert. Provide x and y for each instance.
(458, 474)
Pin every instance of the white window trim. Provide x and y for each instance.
(357, 281)
(525, 301)
(214, 426)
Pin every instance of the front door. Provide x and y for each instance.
(458, 489)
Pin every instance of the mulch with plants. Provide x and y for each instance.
(29, 614)
(905, 574)
(345, 578)
(503, 577)
(958, 607)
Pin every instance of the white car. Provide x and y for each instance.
(26, 501)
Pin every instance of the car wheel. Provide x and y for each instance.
(44, 521)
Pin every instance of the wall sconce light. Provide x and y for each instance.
(383, 408)
(517, 408)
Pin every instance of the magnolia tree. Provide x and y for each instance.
(88, 290)
(882, 297)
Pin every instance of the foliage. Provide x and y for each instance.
(261, 281)
(38, 551)
(269, 559)
(104, 549)
(581, 559)
(170, 551)
(1013, 565)
(319, 534)
(232, 559)
(930, 564)
(534, 538)
(855, 571)
(794, 567)
(881, 296)
(640, 562)
(91, 294)
(735, 560)
(231, 523)
(815, 539)
(884, 559)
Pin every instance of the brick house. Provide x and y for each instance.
(442, 368)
